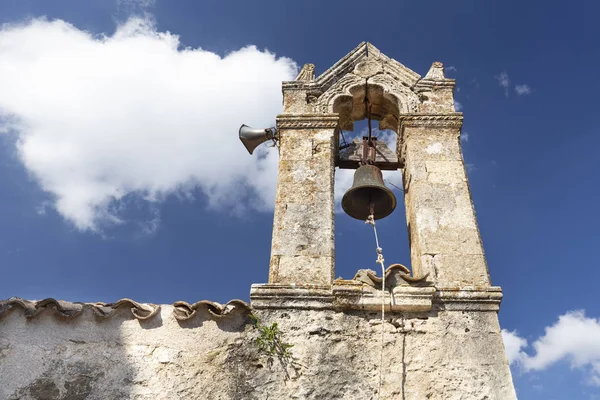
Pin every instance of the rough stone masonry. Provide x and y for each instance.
(441, 334)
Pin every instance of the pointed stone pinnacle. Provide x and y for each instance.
(436, 72)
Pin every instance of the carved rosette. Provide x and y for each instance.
(368, 68)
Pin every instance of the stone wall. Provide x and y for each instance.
(437, 355)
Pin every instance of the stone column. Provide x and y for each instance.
(444, 236)
(302, 250)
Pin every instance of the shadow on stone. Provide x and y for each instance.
(51, 357)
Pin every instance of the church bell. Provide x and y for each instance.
(368, 194)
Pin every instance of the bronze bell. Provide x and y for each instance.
(367, 193)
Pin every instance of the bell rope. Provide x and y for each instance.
(380, 260)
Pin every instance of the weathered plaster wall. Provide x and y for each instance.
(440, 355)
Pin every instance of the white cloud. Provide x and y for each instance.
(522, 89)
(457, 105)
(464, 137)
(513, 344)
(136, 4)
(451, 68)
(343, 182)
(503, 81)
(574, 338)
(103, 118)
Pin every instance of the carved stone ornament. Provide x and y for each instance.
(307, 73)
(312, 97)
(407, 99)
(436, 72)
(443, 120)
(366, 52)
(395, 275)
(369, 68)
(307, 121)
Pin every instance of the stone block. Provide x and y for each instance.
(462, 349)
(298, 192)
(295, 102)
(300, 232)
(291, 296)
(448, 240)
(295, 147)
(468, 298)
(413, 172)
(437, 101)
(444, 206)
(313, 172)
(426, 195)
(349, 296)
(446, 173)
(303, 269)
(456, 270)
(440, 144)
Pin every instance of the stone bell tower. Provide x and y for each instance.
(441, 337)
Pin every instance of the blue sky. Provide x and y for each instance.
(84, 124)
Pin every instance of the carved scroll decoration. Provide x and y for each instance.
(395, 275)
(408, 100)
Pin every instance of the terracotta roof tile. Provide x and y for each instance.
(141, 311)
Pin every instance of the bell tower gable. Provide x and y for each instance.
(339, 85)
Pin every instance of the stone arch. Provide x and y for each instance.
(389, 98)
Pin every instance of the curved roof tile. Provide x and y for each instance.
(141, 311)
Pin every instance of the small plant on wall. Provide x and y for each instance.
(270, 343)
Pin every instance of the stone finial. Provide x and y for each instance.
(307, 73)
(436, 72)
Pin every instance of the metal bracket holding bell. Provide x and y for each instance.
(369, 149)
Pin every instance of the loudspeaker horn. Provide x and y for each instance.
(252, 138)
